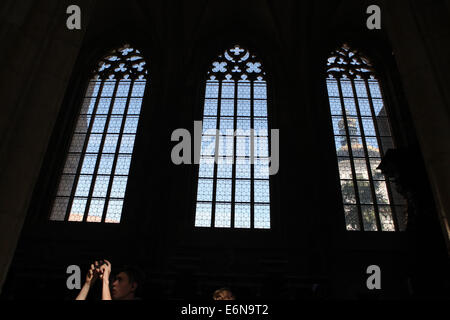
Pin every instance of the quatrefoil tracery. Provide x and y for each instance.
(348, 63)
(237, 64)
(122, 63)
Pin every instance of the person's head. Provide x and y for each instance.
(126, 283)
(223, 294)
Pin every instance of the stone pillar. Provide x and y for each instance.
(419, 32)
(38, 55)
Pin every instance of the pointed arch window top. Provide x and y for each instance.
(122, 63)
(237, 64)
(345, 62)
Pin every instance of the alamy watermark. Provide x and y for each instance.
(74, 280)
(374, 21)
(74, 20)
(219, 146)
(374, 281)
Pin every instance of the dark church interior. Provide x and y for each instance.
(309, 231)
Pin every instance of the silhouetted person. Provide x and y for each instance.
(127, 283)
(124, 284)
(91, 278)
(223, 294)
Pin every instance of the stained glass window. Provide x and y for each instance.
(233, 181)
(94, 179)
(362, 135)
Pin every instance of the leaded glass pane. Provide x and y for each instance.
(225, 168)
(242, 192)
(123, 88)
(83, 124)
(131, 124)
(210, 108)
(65, 185)
(261, 168)
(227, 90)
(127, 143)
(223, 191)
(138, 89)
(72, 162)
(206, 169)
(203, 215)
(89, 162)
(205, 189)
(118, 187)
(77, 209)
(123, 164)
(212, 89)
(94, 143)
(84, 184)
(96, 210)
(227, 108)
(242, 216)
(243, 108)
(369, 220)
(119, 106)
(59, 209)
(103, 106)
(114, 212)
(101, 186)
(110, 143)
(352, 218)
(260, 108)
(262, 216)
(223, 215)
(209, 124)
(243, 168)
(262, 191)
(106, 164)
(387, 222)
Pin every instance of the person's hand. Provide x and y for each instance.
(92, 275)
(105, 270)
(97, 266)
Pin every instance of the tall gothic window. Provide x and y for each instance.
(95, 174)
(362, 136)
(233, 179)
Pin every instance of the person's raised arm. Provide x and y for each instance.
(105, 273)
(90, 280)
